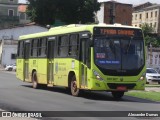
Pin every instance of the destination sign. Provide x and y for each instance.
(117, 31)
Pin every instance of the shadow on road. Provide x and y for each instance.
(94, 95)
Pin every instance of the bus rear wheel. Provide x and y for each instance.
(117, 94)
(74, 90)
(34, 80)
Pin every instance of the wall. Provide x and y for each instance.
(122, 13)
(153, 58)
(100, 14)
(9, 2)
(6, 54)
(14, 33)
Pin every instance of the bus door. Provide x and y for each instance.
(26, 60)
(84, 58)
(50, 56)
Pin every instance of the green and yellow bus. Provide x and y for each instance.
(84, 57)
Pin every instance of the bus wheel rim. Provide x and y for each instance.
(34, 84)
(74, 87)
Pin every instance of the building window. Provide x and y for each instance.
(155, 13)
(151, 14)
(140, 16)
(13, 56)
(10, 12)
(155, 24)
(136, 17)
(150, 24)
(11, 0)
(146, 15)
(140, 25)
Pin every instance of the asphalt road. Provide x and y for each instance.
(16, 95)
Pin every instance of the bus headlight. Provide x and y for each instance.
(98, 77)
(142, 77)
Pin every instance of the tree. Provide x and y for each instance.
(46, 12)
(148, 30)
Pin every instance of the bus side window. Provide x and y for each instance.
(63, 45)
(20, 49)
(34, 48)
(73, 45)
(42, 47)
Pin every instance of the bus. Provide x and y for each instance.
(100, 57)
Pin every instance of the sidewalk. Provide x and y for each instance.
(153, 89)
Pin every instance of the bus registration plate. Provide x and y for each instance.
(121, 88)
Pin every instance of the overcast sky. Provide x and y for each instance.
(134, 2)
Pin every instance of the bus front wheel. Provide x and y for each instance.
(117, 94)
(74, 89)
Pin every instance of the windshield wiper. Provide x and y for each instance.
(129, 45)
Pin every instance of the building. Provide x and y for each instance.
(9, 39)
(147, 14)
(153, 58)
(114, 12)
(23, 18)
(8, 13)
(141, 6)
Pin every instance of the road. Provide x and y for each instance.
(18, 95)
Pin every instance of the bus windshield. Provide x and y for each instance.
(119, 53)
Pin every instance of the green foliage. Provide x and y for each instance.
(69, 11)
(151, 40)
(148, 30)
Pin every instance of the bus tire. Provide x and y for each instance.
(34, 80)
(117, 94)
(74, 90)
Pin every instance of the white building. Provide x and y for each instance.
(149, 15)
(9, 39)
(153, 58)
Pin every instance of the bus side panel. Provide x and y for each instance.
(20, 69)
(33, 66)
(62, 69)
(42, 71)
(60, 72)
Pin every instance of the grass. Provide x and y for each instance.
(152, 85)
(149, 95)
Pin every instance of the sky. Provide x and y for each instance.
(134, 2)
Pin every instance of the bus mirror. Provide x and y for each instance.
(86, 35)
(91, 43)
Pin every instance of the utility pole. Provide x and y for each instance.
(151, 59)
(112, 12)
